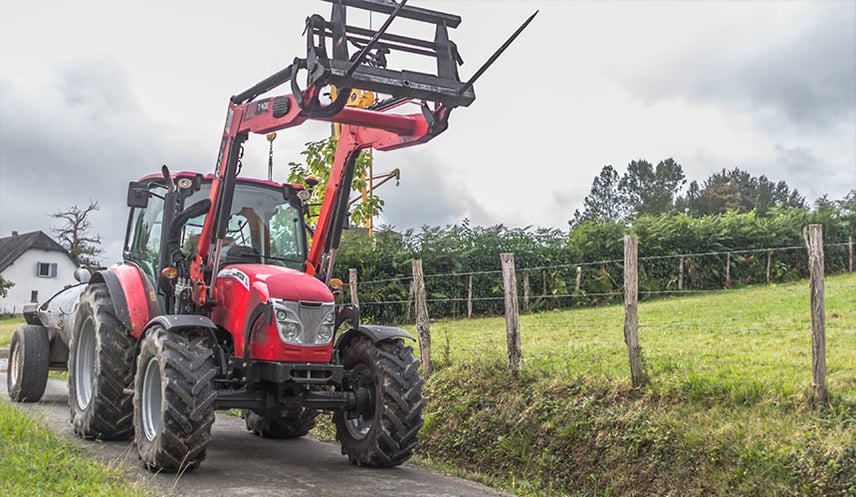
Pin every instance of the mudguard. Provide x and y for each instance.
(132, 294)
(375, 333)
(182, 322)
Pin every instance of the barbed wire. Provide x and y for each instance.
(583, 295)
(607, 261)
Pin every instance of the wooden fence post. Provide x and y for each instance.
(814, 242)
(769, 263)
(681, 275)
(631, 310)
(512, 321)
(411, 293)
(526, 291)
(422, 328)
(352, 283)
(728, 271)
(850, 246)
(470, 298)
(579, 278)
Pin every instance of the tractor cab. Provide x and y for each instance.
(265, 226)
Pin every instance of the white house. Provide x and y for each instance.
(37, 265)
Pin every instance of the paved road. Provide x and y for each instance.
(240, 464)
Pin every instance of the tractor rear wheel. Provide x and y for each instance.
(100, 369)
(29, 359)
(173, 400)
(280, 427)
(385, 429)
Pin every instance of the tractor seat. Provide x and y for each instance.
(240, 254)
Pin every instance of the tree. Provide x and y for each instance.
(5, 285)
(74, 234)
(603, 201)
(847, 208)
(649, 190)
(318, 157)
(739, 191)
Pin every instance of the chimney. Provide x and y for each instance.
(14, 233)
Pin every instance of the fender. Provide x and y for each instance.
(375, 333)
(177, 322)
(181, 322)
(132, 294)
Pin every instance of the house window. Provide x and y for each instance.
(34, 297)
(46, 269)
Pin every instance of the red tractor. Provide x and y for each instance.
(223, 299)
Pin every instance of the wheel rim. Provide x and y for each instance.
(84, 364)
(360, 426)
(151, 399)
(15, 364)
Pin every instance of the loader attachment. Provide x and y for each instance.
(367, 67)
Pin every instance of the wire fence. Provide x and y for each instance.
(687, 340)
(587, 283)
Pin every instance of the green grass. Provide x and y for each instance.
(7, 328)
(35, 461)
(727, 410)
(754, 337)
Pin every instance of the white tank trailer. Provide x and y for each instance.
(41, 344)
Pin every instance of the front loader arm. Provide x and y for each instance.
(378, 127)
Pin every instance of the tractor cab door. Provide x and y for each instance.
(145, 228)
(143, 242)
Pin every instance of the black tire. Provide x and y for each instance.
(280, 427)
(173, 400)
(29, 360)
(100, 369)
(387, 432)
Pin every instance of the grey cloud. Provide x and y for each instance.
(80, 136)
(428, 198)
(803, 166)
(808, 74)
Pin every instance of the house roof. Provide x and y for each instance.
(14, 246)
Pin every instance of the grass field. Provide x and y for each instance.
(727, 411)
(7, 328)
(34, 461)
(741, 346)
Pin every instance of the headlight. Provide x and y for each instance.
(290, 331)
(288, 323)
(325, 331)
(305, 323)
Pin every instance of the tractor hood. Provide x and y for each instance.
(243, 291)
(280, 282)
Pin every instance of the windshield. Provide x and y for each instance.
(263, 227)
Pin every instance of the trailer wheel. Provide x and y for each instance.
(280, 427)
(100, 369)
(173, 400)
(385, 427)
(29, 359)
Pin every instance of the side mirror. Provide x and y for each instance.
(138, 194)
(82, 275)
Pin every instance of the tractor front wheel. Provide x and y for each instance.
(29, 360)
(100, 369)
(173, 400)
(384, 429)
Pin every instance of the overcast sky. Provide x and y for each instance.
(94, 94)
